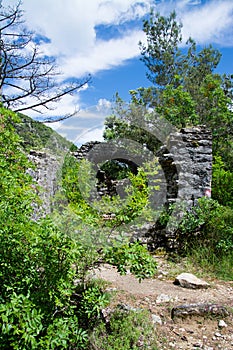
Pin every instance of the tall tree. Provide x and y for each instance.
(161, 53)
(27, 76)
(185, 89)
(165, 60)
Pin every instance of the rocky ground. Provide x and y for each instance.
(160, 295)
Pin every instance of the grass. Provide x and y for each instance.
(200, 261)
(217, 266)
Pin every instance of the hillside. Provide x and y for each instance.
(38, 136)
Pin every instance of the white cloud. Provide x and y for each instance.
(87, 125)
(211, 23)
(104, 55)
(206, 22)
(71, 27)
(95, 134)
(71, 24)
(103, 104)
(117, 11)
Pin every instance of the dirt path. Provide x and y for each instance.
(159, 295)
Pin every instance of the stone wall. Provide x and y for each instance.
(186, 161)
(45, 173)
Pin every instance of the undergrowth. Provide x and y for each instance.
(130, 330)
(205, 237)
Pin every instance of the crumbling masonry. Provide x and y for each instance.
(186, 161)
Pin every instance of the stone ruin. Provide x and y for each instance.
(178, 171)
(45, 173)
(185, 159)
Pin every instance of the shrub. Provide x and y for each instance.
(206, 235)
(135, 257)
(222, 184)
(46, 299)
(125, 331)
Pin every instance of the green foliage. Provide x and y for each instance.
(79, 184)
(161, 54)
(208, 228)
(37, 283)
(23, 326)
(217, 115)
(70, 170)
(36, 135)
(197, 67)
(92, 302)
(16, 189)
(37, 260)
(16, 316)
(135, 202)
(115, 170)
(222, 183)
(125, 331)
(126, 120)
(165, 60)
(46, 298)
(177, 106)
(64, 333)
(134, 257)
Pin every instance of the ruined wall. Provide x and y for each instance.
(186, 161)
(46, 174)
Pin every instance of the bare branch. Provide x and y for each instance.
(55, 97)
(59, 119)
(27, 77)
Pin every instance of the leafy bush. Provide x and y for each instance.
(206, 235)
(125, 331)
(79, 180)
(46, 298)
(37, 286)
(92, 301)
(222, 183)
(135, 257)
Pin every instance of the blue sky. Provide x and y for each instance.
(101, 38)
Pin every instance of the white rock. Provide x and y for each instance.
(163, 298)
(188, 280)
(182, 330)
(172, 345)
(156, 319)
(218, 335)
(222, 324)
